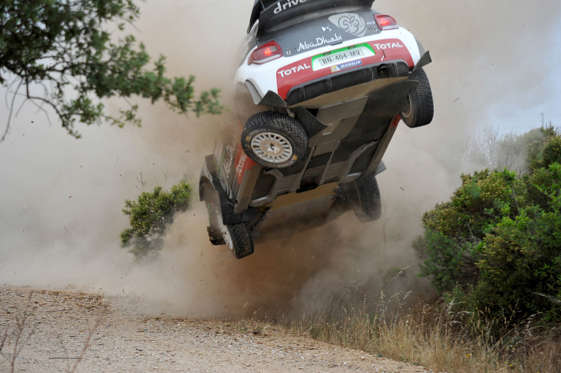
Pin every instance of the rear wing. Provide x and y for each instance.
(273, 15)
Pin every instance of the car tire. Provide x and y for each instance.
(274, 140)
(239, 240)
(210, 196)
(214, 236)
(419, 108)
(363, 196)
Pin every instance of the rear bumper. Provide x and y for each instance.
(335, 82)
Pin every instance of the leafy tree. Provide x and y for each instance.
(496, 244)
(150, 216)
(60, 54)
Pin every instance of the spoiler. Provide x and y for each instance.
(271, 13)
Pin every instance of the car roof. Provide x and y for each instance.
(260, 5)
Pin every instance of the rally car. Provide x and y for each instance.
(321, 89)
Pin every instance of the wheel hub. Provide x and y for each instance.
(272, 147)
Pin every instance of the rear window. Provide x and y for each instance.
(272, 14)
(331, 29)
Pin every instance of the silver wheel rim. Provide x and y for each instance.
(228, 238)
(272, 147)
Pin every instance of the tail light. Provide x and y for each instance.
(385, 22)
(265, 53)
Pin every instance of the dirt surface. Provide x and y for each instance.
(65, 330)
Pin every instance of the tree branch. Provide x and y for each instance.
(8, 123)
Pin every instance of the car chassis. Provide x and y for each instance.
(349, 119)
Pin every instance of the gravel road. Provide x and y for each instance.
(111, 336)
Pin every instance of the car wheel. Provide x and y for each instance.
(274, 140)
(363, 196)
(419, 109)
(239, 240)
(214, 236)
(212, 201)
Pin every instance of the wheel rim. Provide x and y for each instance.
(409, 111)
(227, 237)
(272, 147)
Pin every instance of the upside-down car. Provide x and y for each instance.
(321, 89)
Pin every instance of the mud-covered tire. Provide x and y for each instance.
(274, 140)
(363, 197)
(210, 196)
(419, 108)
(214, 236)
(240, 240)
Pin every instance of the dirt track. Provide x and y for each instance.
(59, 323)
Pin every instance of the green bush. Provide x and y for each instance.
(150, 215)
(497, 243)
(455, 230)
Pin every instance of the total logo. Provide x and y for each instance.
(384, 46)
(293, 70)
(288, 4)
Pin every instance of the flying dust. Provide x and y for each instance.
(60, 198)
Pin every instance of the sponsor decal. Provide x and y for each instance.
(294, 70)
(243, 164)
(240, 167)
(287, 4)
(318, 42)
(391, 45)
(345, 66)
(349, 22)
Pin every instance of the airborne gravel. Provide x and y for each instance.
(58, 324)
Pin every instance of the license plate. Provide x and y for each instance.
(342, 56)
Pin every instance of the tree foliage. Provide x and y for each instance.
(150, 215)
(497, 243)
(60, 54)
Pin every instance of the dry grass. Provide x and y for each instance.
(18, 332)
(430, 336)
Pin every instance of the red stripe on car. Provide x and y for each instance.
(242, 163)
(301, 71)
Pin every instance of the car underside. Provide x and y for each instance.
(322, 111)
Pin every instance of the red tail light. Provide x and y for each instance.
(265, 53)
(385, 22)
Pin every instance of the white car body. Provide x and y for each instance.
(324, 84)
(259, 79)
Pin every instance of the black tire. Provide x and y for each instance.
(214, 236)
(363, 196)
(242, 242)
(280, 128)
(419, 108)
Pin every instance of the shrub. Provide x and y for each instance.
(150, 215)
(496, 244)
(454, 231)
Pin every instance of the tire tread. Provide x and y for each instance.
(282, 124)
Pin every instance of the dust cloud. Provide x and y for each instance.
(60, 198)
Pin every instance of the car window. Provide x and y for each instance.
(335, 27)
